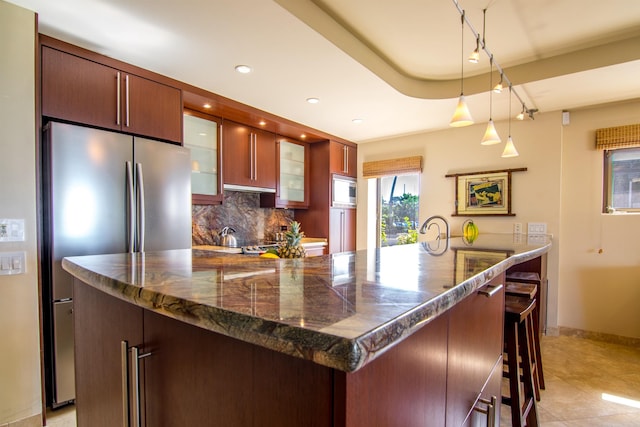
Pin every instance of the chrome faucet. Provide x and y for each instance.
(429, 222)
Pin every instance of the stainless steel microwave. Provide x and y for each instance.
(344, 192)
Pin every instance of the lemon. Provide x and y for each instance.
(268, 255)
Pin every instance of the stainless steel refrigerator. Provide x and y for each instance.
(103, 192)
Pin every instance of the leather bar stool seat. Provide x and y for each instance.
(518, 315)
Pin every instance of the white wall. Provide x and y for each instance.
(20, 390)
(562, 187)
(600, 292)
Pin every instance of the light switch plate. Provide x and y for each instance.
(517, 228)
(12, 263)
(11, 230)
(537, 228)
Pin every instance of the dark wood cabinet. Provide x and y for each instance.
(338, 225)
(248, 157)
(342, 230)
(344, 159)
(403, 387)
(201, 136)
(292, 172)
(87, 92)
(475, 349)
(101, 324)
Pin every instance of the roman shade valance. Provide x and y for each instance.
(392, 167)
(618, 137)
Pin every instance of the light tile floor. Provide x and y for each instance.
(577, 372)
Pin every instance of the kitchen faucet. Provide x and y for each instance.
(429, 222)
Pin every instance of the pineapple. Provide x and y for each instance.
(292, 247)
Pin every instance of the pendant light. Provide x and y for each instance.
(491, 136)
(461, 117)
(509, 148)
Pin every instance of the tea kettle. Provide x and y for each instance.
(227, 239)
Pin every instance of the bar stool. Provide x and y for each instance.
(518, 313)
(530, 291)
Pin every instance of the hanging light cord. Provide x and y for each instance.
(503, 75)
(462, 19)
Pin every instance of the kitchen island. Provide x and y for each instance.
(406, 335)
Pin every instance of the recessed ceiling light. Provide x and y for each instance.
(313, 100)
(357, 121)
(262, 123)
(303, 136)
(207, 105)
(244, 69)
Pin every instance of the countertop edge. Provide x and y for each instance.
(335, 352)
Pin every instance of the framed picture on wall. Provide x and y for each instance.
(484, 193)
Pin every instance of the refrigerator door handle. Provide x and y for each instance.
(130, 210)
(141, 210)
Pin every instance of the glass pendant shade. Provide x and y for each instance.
(490, 135)
(461, 117)
(510, 149)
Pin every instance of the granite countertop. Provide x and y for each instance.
(340, 310)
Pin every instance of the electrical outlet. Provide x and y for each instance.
(536, 228)
(517, 228)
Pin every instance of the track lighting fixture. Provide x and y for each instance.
(510, 148)
(475, 55)
(520, 116)
(462, 110)
(498, 88)
(490, 135)
(461, 117)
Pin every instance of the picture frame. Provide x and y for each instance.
(483, 193)
(469, 262)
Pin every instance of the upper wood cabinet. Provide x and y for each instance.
(292, 189)
(248, 158)
(201, 136)
(83, 91)
(344, 159)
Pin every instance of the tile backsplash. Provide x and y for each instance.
(242, 212)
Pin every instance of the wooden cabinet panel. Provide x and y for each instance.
(475, 346)
(344, 159)
(292, 187)
(194, 377)
(154, 109)
(86, 92)
(248, 156)
(78, 90)
(342, 230)
(101, 322)
(405, 386)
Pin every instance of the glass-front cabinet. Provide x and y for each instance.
(201, 137)
(293, 176)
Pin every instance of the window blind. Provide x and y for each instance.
(618, 137)
(392, 167)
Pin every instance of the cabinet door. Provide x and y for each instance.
(237, 157)
(79, 90)
(343, 159)
(292, 189)
(475, 346)
(248, 156)
(342, 230)
(265, 158)
(481, 414)
(201, 137)
(151, 109)
(101, 323)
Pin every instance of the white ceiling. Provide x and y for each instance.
(395, 65)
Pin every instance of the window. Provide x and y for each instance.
(622, 180)
(398, 198)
